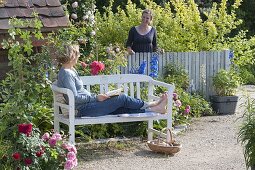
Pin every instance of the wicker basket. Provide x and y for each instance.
(167, 147)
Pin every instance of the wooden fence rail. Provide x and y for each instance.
(200, 66)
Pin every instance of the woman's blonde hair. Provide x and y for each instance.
(148, 11)
(64, 53)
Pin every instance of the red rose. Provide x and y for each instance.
(25, 128)
(28, 161)
(101, 66)
(94, 71)
(16, 156)
(96, 67)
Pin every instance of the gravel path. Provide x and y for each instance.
(210, 143)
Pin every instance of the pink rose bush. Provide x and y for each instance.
(33, 151)
(181, 112)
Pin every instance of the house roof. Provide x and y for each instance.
(50, 13)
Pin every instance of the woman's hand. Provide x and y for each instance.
(102, 97)
(130, 51)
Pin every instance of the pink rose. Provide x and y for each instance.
(69, 165)
(178, 103)
(71, 156)
(75, 162)
(46, 136)
(72, 148)
(52, 141)
(65, 146)
(187, 110)
(57, 136)
(84, 65)
(175, 96)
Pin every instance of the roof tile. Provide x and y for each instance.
(43, 11)
(23, 3)
(53, 3)
(57, 11)
(11, 3)
(4, 24)
(48, 22)
(30, 3)
(3, 13)
(26, 12)
(14, 12)
(41, 3)
(62, 21)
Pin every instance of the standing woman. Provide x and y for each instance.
(142, 38)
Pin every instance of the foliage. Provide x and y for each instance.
(226, 82)
(172, 73)
(26, 86)
(246, 132)
(31, 151)
(247, 74)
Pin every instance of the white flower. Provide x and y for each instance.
(85, 17)
(75, 4)
(108, 50)
(93, 33)
(74, 16)
(92, 17)
(117, 50)
(94, 6)
(89, 12)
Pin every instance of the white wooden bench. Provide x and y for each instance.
(131, 83)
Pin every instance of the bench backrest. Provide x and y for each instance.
(131, 83)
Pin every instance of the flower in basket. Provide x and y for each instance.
(96, 67)
(31, 151)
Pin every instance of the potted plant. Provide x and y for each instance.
(246, 133)
(225, 83)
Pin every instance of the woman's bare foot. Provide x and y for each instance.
(155, 103)
(161, 107)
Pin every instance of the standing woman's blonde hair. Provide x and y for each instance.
(148, 11)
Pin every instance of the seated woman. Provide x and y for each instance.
(92, 105)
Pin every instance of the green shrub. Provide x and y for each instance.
(246, 132)
(226, 82)
(176, 74)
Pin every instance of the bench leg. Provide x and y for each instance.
(56, 125)
(150, 126)
(72, 134)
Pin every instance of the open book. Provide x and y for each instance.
(115, 92)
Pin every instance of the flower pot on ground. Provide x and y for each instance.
(225, 84)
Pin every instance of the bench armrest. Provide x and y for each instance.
(71, 103)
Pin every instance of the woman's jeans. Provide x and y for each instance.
(114, 105)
